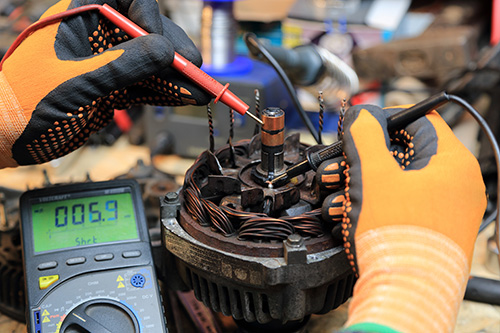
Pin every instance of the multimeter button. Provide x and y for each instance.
(47, 265)
(75, 261)
(131, 254)
(46, 281)
(104, 257)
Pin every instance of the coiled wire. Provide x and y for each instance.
(248, 225)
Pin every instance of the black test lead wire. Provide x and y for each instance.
(496, 151)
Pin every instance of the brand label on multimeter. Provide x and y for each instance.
(88, 262)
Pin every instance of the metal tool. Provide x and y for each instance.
(395, 121)
(184, 66)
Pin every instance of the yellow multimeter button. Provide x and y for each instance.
(46, 281)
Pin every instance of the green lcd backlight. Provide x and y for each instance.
(83, 221)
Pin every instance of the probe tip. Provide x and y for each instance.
(254, 117)
(272, 181)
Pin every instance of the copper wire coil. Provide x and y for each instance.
(246, 225)
(219, 220)
(265, 227)
(307, 224)
(195, 207)
(239, 214)
(250, 225)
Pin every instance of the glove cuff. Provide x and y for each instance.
(12, 122)
(412, 279)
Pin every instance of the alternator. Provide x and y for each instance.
(248, 250)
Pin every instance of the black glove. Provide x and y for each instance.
(63, 82)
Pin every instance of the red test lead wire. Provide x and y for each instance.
(181, 64)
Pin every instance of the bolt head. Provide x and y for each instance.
(295, 240)
(171, 197)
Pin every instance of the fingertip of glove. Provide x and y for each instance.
(365, 133)
(330, 175)
(437, 121)
(146, 13)
(353, 113)
(365, 116)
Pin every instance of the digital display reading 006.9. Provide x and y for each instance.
(83, 221)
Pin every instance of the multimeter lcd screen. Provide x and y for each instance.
(83, 221)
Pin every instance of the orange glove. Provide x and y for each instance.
(63, 81)
(408, 225)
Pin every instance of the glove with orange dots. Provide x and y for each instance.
(410, 210)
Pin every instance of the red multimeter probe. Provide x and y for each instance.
(181, 64)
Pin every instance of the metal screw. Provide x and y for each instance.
(295, 240)
(171, 197)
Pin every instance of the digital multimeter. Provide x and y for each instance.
(87, 260)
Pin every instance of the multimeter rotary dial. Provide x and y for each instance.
(100, 315)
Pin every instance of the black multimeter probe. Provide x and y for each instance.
(396, 121)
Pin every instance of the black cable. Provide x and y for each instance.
(487, 221)
(496, 151)
(252, 42)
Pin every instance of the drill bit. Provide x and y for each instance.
(257, 110)
(341, 120)
(232, 152)
(211, 128)
(320, 116)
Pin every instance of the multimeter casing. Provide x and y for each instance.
(96, 275)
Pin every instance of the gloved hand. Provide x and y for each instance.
(408, 225)
(63, 82)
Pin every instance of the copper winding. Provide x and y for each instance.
(246, 225)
